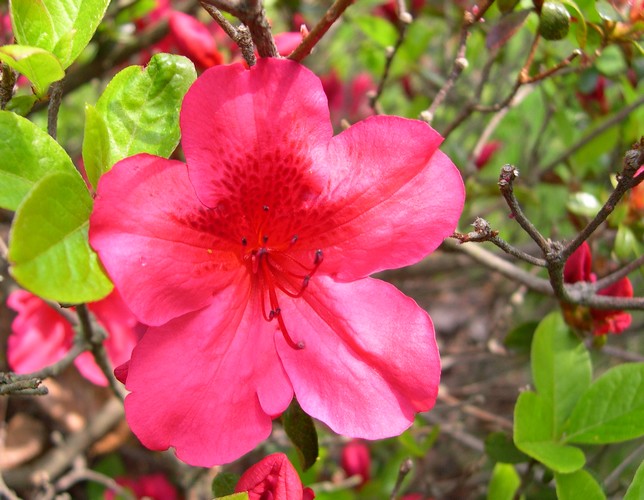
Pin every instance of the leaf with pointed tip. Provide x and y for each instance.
(63, 27)
(300, 429)
(49, 247)
(28, 154)
(38, 65)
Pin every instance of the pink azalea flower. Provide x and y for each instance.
(194, 40)
(356, 460)
(600, 321)
(151, 486)
(348, 100)
(42, 336)
(273, 478)
(252, 263)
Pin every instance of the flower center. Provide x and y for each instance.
(275, 268)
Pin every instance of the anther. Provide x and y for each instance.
(244, 241)
(265, 208)
(318, 257)
(294, 239)
(265, 238)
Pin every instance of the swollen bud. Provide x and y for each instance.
(554, 21)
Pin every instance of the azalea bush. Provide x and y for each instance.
(296, 250)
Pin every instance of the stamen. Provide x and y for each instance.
(244, 241)
(294, 239)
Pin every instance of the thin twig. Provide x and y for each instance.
(389, 58)
(241, 36)
(634, 456)
(614, 277)
(55, 99)
(318, 31)
(7, 82)
(84, 474)
(405, 468)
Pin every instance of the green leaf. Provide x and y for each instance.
(418, 447)
(96, 145)
(500, 448)
(28, 154)
(561, 368)
(21, 104)
(584, 204)
(534, 431)
(224, 484)
(235, 496)
(63, 27)
(140, 113)
(504, 482)
(49, 246)
(626, 243)
(300, 429)
(612, 409)
(636, 489)
(582, 31)
(578, 485)
(38, 65)
(380, 31)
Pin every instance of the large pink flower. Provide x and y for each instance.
(252, 263)
(41, 336)
(599, 321)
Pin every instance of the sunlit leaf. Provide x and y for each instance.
(38, 65)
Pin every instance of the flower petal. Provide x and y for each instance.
(161, 247)
(40, 336)
(273, 475)
(209, 382)
(578, 265)
(395, 197)
(249, 127)
(370, 361)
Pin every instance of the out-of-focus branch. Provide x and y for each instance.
(405, 468)
(318, 31)
(58, 459)
(7, 82)
(55, 99)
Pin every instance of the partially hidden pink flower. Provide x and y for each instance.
(486, 153)
(194, 40)
(252, 261)
(599, 321)
(348, 100)
(42, 336)
(151, 486)
(356, 460)
(273, 478)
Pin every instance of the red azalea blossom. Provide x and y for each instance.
(578, 268)
(151, 486)
(273, 478)
(41, 336)
(252, 261)
(356, 460)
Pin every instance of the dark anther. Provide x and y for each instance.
(294, 239)
(244, 241)
(318, 256)
(265, 238)
(265, 208)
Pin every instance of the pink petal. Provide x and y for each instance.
(370, 361)
(246, 132)
(208, 383)
(194, 40)
(40, 335)
(578, 265)
(613, 321)
(273, 475)
(394, 197)
(162, 248)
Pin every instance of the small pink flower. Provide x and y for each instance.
(194, 40)
(600, 321)
(42, 336)
(356, 460)
(252, 263)
(151, 486)
(487, 151)
(273, 478)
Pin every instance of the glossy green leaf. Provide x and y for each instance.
(504, 482)
(63, 27)
(38, 65)
(578, 485)
(561, 368)
(28, 154)
(49, 246)
(636, 489)
(224, 484)
(300, 429)
(612, 409)
(534, 435)
(583, 204)
(96, 145)
(500, 448)
(627, 245)
(21, 104)
(582, 30)
(139, 110)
